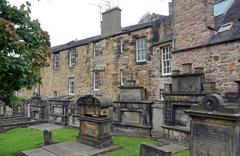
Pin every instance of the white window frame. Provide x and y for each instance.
(96, 86)
(96, 49)
(120, 45)
(141, 49)
(72, 57)
(56, 61)
(227, 5)
(121, 77)
(166, 60)
(161, 98)
(37, 88)
(71, 86)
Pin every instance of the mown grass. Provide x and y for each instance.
(21, 139)
(131, 146)
(182, 153)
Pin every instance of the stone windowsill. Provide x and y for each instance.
(141, 63)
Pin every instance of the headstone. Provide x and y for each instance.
(132, 113)
(47, 137)
(186, 90)
(215, 128)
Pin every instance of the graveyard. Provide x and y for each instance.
(196, 120)
(166, 86)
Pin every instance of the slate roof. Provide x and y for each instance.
(73, 44)
(232, 15)
(165, 39)
(127, 29)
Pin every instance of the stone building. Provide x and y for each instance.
(205, 34)
(99, 65)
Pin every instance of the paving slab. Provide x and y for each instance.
(46, 126)
(37, 152)
(175, 147)
(68, 149)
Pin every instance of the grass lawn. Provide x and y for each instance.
(182, 153)
(131, 146)
(20, 139)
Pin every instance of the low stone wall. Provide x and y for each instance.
(7, 126)
(176, 134)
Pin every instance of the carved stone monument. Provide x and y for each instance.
(215, 127)
(132, 113)
(95, 123)
(187, 89)
(37, 108)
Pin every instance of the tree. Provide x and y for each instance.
(24, 49)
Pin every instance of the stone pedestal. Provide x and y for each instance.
(95, 132)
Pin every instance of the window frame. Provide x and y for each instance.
(56, 61)
(72, 56)
(71, 87)
(121, 77)
(37, 88)
(96, 49)
(161, 98)
(218, 11)
(120, 45)
(141, 48)
(166, 58)
(96, 86)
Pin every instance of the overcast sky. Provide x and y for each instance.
(67, 20)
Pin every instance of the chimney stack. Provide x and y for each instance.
(170, 8)
(111, 22)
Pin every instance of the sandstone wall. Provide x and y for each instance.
(221, 63)
(109, 63)
(191, 21)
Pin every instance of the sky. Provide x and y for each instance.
(67, 20)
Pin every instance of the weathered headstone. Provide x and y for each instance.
(47, 135)
(215, 128)
(132, 113)
(95, 123)
(187, 89)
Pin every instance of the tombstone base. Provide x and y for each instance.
(95, 131)
(107, 141)
(214, 133)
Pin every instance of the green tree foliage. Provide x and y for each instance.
(24, 49)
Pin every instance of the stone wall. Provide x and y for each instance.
(108, 63)
(157, 79)
(191, 22)
(221, 64)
